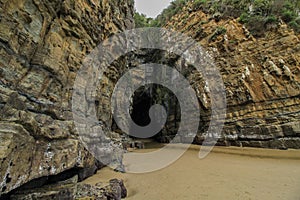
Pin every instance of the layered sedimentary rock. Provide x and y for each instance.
(70, 189)
(261, 76)
(42, 45)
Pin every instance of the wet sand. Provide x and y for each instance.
(226, 173)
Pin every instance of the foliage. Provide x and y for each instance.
(295, 26)
(174, 8)
(271, 19)
(270, 11)
(255, 14)
(141, 20)
(244, 18)
(219, 31)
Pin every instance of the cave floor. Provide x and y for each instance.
(226, 173)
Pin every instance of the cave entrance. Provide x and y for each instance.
(149, 95)
(143, 99)
(142, 102)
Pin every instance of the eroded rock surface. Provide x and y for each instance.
(261, 76)
(71, 189)
(42, 45)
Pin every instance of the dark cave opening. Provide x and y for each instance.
(147, 96)
(142, 102)
(143, 99)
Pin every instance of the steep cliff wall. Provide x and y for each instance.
(261, 75)
(42, 45)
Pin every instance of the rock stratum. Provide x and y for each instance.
(261, 76)
(42, 45)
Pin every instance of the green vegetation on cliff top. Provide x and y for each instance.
(255, 14)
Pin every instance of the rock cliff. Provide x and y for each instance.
(261, 75)
(42, 45)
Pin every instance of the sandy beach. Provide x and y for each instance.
(226, 173)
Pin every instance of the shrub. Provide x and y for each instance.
(269, 12)
(288, 15)
(142, 20)
(221, 30)
(263, 12)
(262, 7)
(198, 4)
(244, 18)
(297, 20)
(271, 19)
(295, 26)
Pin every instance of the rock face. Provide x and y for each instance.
(262, 79)
(61, 190)
(70, 189)
(42, 45)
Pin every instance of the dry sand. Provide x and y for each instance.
(226, 173)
